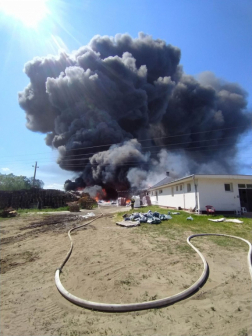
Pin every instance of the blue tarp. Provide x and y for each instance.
(149, 217)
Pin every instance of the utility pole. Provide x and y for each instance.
(35, 169)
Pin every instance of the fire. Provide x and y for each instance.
(104, 193)
(101, 195)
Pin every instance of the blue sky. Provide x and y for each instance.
(212, 35)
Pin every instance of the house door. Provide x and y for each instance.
(246, 198)
(156, 196)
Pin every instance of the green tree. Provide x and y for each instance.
(9, 182)
(37, 183)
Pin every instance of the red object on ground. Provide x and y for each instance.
(210, 209)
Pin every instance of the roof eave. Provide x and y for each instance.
(172, 182)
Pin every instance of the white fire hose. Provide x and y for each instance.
(149, 304)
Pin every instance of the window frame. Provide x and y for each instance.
(230, 185)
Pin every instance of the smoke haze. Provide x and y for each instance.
(121, 112)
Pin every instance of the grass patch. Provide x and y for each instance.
(24, 211)
(184, 248)
(128, 281)
(176, 227)
(243, 332)
(66, 208)
(2, 219)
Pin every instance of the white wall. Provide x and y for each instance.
(212, 192)
(181, 198)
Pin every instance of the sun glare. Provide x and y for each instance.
(30, 12)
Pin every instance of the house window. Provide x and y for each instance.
(188, 187)
(176, 188)
(181, 186)
(160, 191)
(244, 186)
(228, 186)
(172, 191)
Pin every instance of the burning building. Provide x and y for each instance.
(121, 111)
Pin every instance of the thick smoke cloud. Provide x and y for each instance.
(95, 191)
(122, 112)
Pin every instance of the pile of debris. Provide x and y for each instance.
(148, 217)
(87, 202)
(84, 202)
(9, 212)
(73, 207)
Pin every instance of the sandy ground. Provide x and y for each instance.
(117, 265)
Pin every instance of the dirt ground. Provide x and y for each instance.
(116, 265)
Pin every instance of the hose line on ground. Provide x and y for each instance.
(71, 241)
(149, 304)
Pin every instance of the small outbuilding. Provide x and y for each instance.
(226, 193)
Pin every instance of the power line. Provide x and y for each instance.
(127, 162)
(190, 149)
(156, 146)
(170, 136)
(166, 137)
(194, 150)
(162, 147)
(106, 165)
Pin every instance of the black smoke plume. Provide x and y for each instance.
(122, 112)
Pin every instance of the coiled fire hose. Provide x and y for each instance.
(149, 304)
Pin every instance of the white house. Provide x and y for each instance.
(226, 193)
